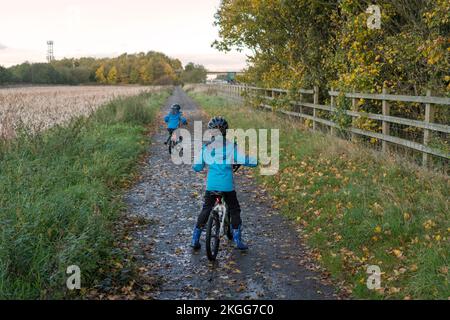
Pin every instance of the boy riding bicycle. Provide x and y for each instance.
(173, 120)
(220, 155)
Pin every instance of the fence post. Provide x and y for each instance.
(385, 124)
(333, 105)
(301, 109)
(354, 136)
(429, 117)
(316, 101)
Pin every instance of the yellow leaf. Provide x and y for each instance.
(394, 290)
(397, 253)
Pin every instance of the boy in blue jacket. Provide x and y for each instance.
(173, 120)
(219, 156)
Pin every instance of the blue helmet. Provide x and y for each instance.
(176, 107)
(218, 123)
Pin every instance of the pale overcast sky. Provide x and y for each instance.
(180, 28)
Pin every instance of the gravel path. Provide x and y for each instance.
(170, 196)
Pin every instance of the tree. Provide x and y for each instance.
(134, 76)
(44, 73)
(100, 74)
(193, 73)
(65, 75)
(81, 75)
(112, 75)
(145, 76)
(22, 72)
(5, 75)
(158, 68)
(286, 38)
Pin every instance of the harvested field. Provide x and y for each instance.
(39, 108)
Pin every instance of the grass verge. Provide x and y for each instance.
(60, 196)
(356, 208)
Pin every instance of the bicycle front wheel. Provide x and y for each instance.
(212, 236)
(228, 231)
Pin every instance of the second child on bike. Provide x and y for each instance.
(173, 120)
(220, 155)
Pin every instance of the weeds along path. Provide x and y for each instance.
(170, 197)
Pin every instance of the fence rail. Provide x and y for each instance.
(427, 125)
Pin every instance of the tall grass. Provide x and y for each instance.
(59, 196)
(357, 207)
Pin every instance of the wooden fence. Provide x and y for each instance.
(427, 125)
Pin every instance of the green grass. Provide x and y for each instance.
(356, 207)
(60, 195)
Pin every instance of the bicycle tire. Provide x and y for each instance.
(170, 146)
(212, 249)
(228, 230)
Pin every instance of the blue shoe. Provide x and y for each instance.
(238, 239)
(195, 244)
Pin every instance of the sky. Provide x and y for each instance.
(182, 29)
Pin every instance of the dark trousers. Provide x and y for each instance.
(170, 134)
(232, 204)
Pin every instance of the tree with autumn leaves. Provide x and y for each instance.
(301, 43)
(152, 68)
(100, 74)
(112, 75)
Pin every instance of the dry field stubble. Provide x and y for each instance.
(39, 108)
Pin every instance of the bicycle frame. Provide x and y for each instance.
(173, 138)
(175, 142)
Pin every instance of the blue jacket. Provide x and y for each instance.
(173, 120)
(220, 164)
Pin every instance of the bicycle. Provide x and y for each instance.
(175, 144)
(218, 225)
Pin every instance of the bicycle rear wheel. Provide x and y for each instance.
(212, 236)
(171, 145)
